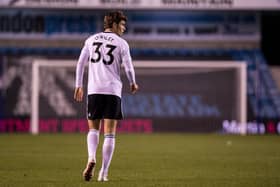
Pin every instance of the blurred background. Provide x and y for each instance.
(175, 99)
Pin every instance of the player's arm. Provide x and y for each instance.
(129, 69)
(83, 59)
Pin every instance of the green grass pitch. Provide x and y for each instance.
(143, 160)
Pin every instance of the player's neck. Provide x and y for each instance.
(112, 31)
(109, 30)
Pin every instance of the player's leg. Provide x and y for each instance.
(110, 126)
(92, 144)
(93, 139)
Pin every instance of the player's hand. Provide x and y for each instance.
(78, 94)
(133, 88)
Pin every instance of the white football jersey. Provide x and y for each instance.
(105, 52)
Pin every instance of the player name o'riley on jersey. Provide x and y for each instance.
(103, 37)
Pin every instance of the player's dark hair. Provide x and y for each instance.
(113, 17)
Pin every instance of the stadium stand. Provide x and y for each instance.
(262, 90)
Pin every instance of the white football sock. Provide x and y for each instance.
(92, 143)
(107, 152)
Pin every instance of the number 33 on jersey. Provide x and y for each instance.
(108, 48)
(97, 53)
